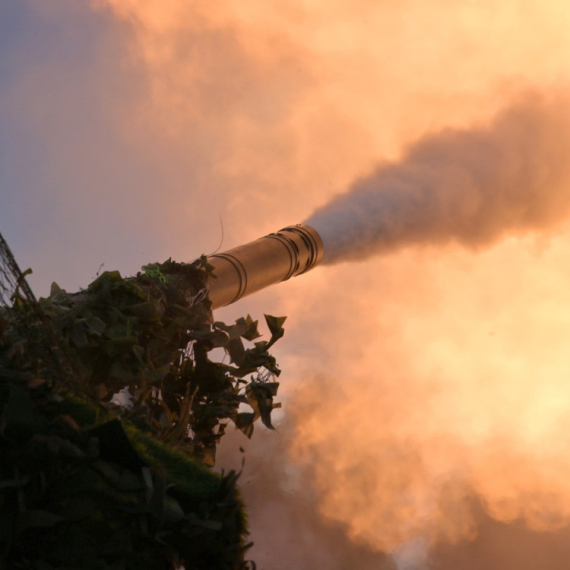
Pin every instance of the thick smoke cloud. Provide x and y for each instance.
(468, 186)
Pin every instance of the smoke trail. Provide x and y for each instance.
(470, 186)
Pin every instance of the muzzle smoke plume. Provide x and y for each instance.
(468, 186)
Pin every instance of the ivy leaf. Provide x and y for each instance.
(275, 325)
(236, 351)
(78, 336)
(250, 332)
(96, 325)
(17, 421)
(54, 289)
(260, 398)
(146, 312)
(37, 519)
(105, 281)
(153, 376)
(207, 266)
(244, 422)
(215, 338)
(207, 524)
(139, 353)
(271, 387)
(172, 511)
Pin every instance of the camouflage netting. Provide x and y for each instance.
(88, 483)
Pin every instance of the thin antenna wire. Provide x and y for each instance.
(222, 238)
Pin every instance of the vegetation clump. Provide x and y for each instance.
(89, 482)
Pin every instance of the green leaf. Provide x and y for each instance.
(214, 339)
(78, 336)
(96, 325)
(275, 325)
(153, 376)
(207, 266)
(17, 421)
(271, 387)
(120, 371)
(236, 351)
(119, 345)
(244, 422)
(250, 326)
(173, 512)
(114, 331)
(54, 289)
(138, 352)
(105, 282)
(146, 312)
(207, 524)
(37, 519)
(260, 398)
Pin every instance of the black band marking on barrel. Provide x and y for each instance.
(240, 270)
(310, 243)
(293, 251)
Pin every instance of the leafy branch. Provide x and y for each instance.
(86, 482)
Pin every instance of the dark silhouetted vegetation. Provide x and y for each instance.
(89, 483)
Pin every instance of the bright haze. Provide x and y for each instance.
(426, 397)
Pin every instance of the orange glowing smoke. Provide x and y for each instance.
(456, 387)
(422, 378)
(471, 186)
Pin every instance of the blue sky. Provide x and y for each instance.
(68, 183)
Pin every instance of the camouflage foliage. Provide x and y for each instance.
(87, 483)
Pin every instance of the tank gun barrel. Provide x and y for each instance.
(266, 261)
